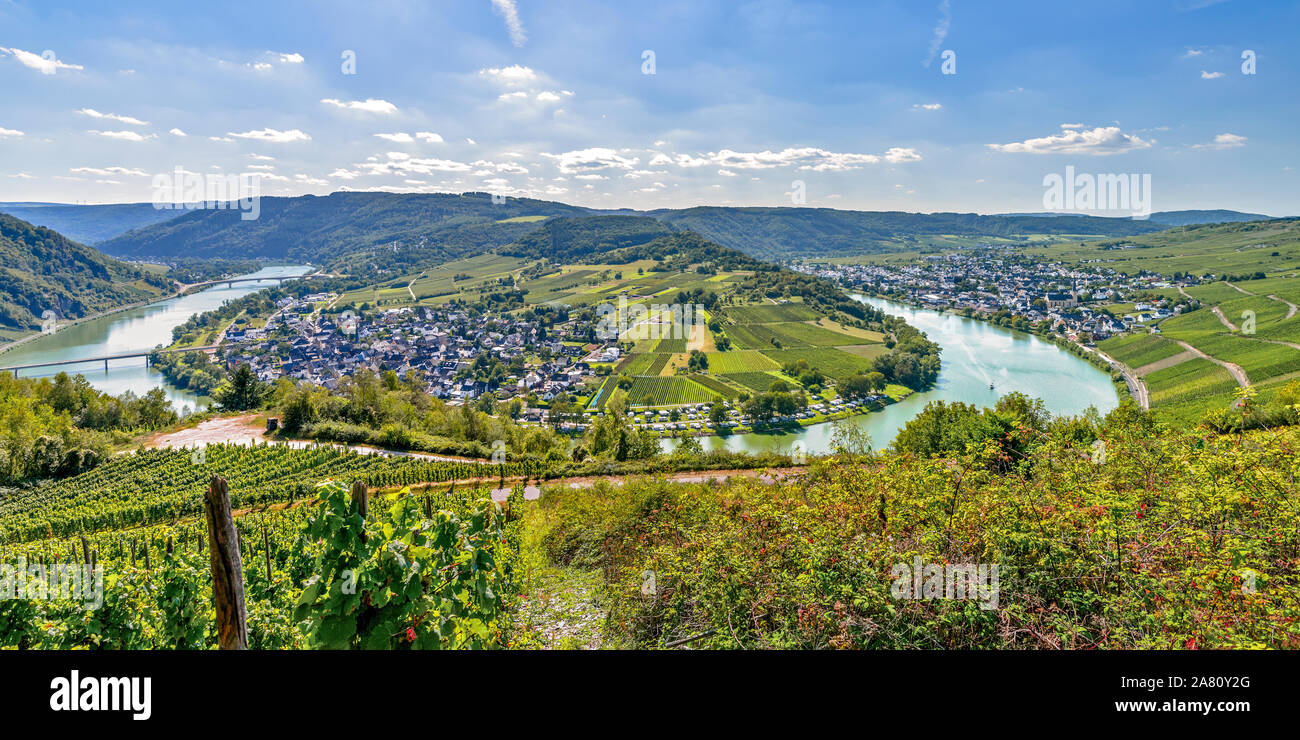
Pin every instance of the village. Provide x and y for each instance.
(460, 356)
(1086, 305)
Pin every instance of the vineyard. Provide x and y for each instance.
(153, 486)
(428, 571)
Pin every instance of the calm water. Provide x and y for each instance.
(975, 353)
(135, 330)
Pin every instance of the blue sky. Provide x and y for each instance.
(549, 99)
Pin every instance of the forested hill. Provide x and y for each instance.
(438, 227)
(320, 229)
(44, 270)
(564, 240)
(782, 233)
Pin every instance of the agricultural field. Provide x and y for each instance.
(668, 391)
(762, 338)
(155, 486)
(1234, 249)
(741, 361)
(758, 382)
(1138, 350)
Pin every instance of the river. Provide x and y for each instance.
(975, 354)
(133, 330)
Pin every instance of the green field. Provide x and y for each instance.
(668, 391)
(740, 362)
(1137, 350)
(833, 363)
(766, 314)
(754, 381)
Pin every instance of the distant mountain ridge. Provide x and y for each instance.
(1173, 218)
(45, 271)
(422, 227)
(89, 224)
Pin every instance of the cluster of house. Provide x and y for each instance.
(1067, 297)
(439, 344)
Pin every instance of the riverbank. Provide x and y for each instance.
(1127, 379)
(75, 322)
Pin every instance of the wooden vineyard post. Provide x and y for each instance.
(266, 543)
(227, 570)
(360, 499)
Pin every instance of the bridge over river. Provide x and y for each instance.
(105, 358)
(278, 279)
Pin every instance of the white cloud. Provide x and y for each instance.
(262, 167)
(519, 95)
(513, 75)
(262, 66)
(726, 173)
(291, 58)
(1099, 141)
(510, 13)
(7, 132)
(927, 106)
(804, 158)
(308, 180)
(273, 136)
(596, 158)
(1224, 141)
(105, 171)
(24, 176)
(403, 164)
(177, 132)
(369, 105)
(548, 97)
(470, 141)
(122, 135)
(225, 139)
(46, 63)
(940, 31)
(261, 157)
(343, 174)
(1210, 75)
(428, 136)
(113, 117)
(397, 138)
(1193, 53)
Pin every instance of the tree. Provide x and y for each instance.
(242, 391)
(718, 415)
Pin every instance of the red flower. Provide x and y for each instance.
(410, 634)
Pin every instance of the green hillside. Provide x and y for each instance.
(782, 233)
(44, 270)
(413, 228)
(424, 229)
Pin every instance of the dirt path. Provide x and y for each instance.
(249, 429)
(1168, 362)
(1223, 319)
(1238, 289)
(1136, 386)
(1293, 307)
(1237, 373)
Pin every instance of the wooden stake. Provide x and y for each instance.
(361, 500)
(227, 568)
